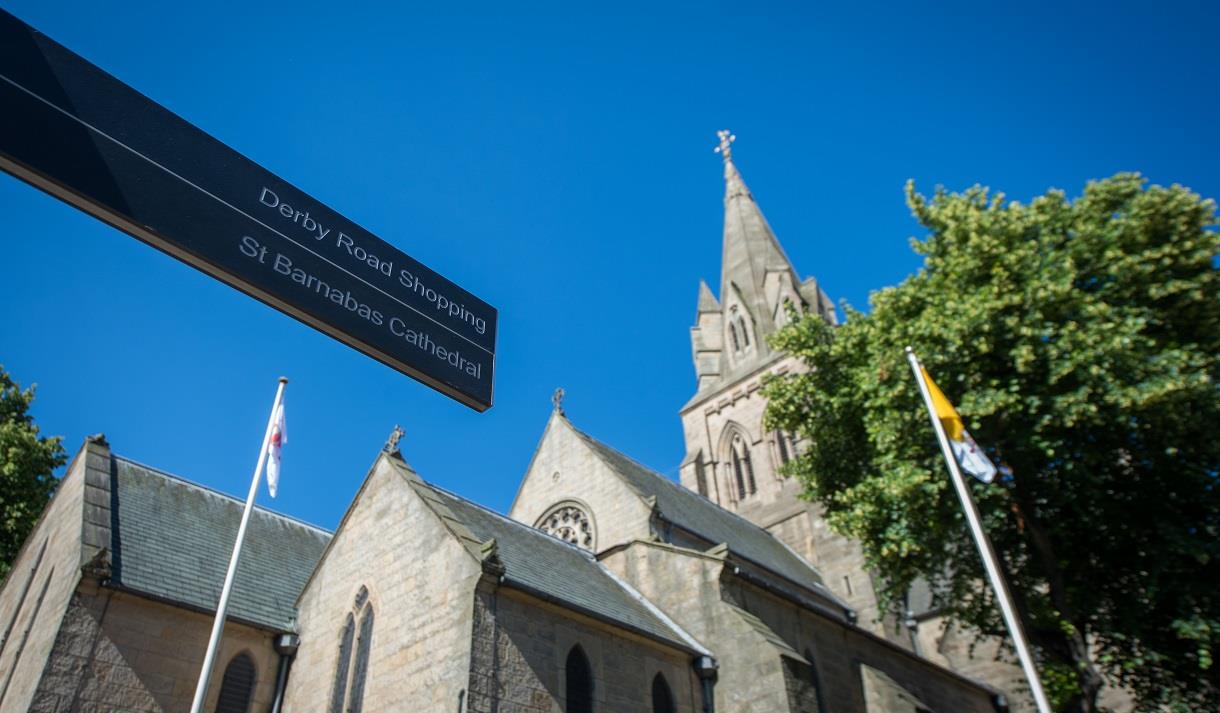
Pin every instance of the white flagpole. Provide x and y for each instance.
(990, 563)
(209, 659)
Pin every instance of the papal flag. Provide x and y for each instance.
(279, 436)
(968, 454)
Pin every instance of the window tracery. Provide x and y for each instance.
(739, 330)
(570, 523)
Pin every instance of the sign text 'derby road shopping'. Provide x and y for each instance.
(78, 133)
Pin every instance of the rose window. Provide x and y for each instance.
(570, 524)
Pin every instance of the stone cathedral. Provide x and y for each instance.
(606, 588)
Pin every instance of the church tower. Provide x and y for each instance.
(731, 458)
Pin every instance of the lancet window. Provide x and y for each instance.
(784, 447)
(237, 686)
(662, 697)
(739, 330)
(351, 671)
(578, 677)
(743, 467)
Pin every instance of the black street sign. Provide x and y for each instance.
(90, 140)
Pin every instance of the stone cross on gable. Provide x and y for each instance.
(726, 143)
(391, 444)
(557, 399)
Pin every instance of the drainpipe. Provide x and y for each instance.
(286, 646)
(706, 669)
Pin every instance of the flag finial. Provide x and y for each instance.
(557, 400)
(726, 143)
(391, 443)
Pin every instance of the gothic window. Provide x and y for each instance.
(784, 447)
(339, 692)
(739, 330)
(571, 523)
(363, 643)
(662, 698)
(347, 695)
(237, 686)
(700, 476)
(578, 676)
(743, 469)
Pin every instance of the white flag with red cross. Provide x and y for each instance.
(279, 436)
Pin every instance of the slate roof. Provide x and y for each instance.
(172, 539)
(696, 514)
(549, 567)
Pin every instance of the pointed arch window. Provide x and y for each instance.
(739, 330)
(237, 686)
(347, 693)
(662, 697)
(578, 676)
(784, 447)
(743, 468)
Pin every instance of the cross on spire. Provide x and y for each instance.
(726, 143)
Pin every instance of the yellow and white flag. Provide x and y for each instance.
(968, 454)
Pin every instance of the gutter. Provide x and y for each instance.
(846, 614)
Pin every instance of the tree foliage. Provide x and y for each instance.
(1079, 340)
(26, 464)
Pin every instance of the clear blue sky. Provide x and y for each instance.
(559, 165)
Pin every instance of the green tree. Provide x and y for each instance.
(26, 464)
(1079, 340)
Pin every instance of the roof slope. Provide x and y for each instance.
(544, 565)
(172, 539)
(698, 515)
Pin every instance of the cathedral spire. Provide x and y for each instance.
(753, 263)
(707, 301)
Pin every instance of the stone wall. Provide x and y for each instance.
(420, 581)
(757, 638)
(44, 575)
(520, 648)
(777, 506)
(564, 467)
(842, 650)
(687, 588)
(118, 651)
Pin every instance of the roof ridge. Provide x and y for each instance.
(676, 486)
(199, 486)
(586, 553)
